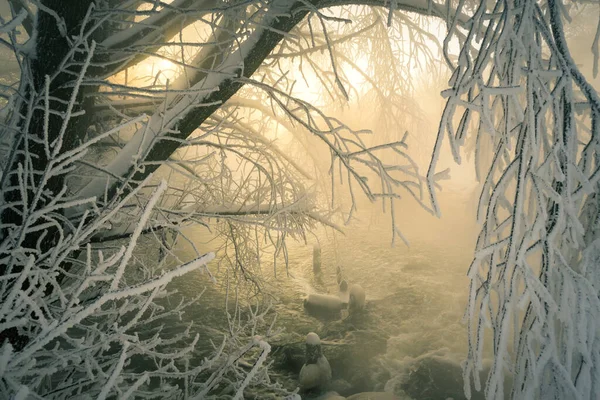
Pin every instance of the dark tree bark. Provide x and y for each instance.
(52, 48)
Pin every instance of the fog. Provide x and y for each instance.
(411, 333)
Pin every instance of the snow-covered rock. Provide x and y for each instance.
(357, 297)
(316, 371)
(324, 303)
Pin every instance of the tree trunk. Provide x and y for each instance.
(52, 48)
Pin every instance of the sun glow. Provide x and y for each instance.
(360, 65)
(153, 72)
(162, 70)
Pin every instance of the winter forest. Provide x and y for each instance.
(299, 199)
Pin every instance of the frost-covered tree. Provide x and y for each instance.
(534, 276)
(99, 150)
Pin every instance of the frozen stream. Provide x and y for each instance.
(410, 339)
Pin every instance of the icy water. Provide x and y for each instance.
(410, 339)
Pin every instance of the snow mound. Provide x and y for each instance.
(313, 338)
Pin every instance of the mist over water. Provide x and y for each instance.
(411, 333)
(415, 295)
